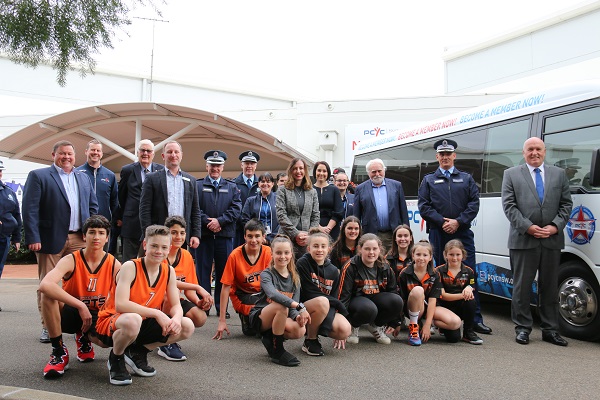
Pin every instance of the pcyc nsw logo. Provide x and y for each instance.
(374, 132)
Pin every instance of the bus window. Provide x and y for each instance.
(504, 149)
(469, 154)
(572, 149)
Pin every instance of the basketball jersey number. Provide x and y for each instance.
(150, 299)
(92, 284)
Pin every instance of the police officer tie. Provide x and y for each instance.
(447, 174)
(249, 183)
(539, 184)
(216, 184)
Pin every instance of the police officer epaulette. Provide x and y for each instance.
(230, 180)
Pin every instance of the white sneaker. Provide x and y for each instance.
(378, 333)
(353, 338)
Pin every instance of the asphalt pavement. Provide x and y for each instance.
(237, 367)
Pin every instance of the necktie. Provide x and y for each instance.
(144, 174)
(539, 184)
(216, 184)
(249, 183)
(447, 174)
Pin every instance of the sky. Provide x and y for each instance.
(314, 50)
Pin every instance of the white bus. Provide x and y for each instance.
(490, 139)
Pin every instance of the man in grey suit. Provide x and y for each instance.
(171, 192)
(537, 202)
(130, 190)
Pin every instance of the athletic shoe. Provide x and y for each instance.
(44, 336)
(117, 370)
(378, 333)
(138, 361)
(85, 350)
(470, 336)
(286, 359)
(353, 338)
(247, 329)
(432, 329)
(312, 347)
(413, 335)
(172, 352)
(58, 364)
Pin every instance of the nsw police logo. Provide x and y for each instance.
(581, 225)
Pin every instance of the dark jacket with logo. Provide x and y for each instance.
(10, 214)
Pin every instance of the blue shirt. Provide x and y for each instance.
(451, 170)
(175, 193)
(381, 204)
(70, 184)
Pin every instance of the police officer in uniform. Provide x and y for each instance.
(247, 183)
(221, 206)
(449, 202)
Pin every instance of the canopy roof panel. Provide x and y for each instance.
(120, 126)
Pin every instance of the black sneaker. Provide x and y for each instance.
(312, 347)
(470, 336)
(118, 371)
(138, 361)
(246, 327)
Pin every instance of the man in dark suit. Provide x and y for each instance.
(537, 202)
(130, 190)
(247, 183)
(379, 203)
(171, 192)
(56, 202)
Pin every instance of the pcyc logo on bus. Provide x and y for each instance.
(374, 132)
(581, 225)
(415, 216)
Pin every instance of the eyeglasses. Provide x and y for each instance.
(145, 151)
(341, 181)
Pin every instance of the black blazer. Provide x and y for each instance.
(155, 199)
(130, 191)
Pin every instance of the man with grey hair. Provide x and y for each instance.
(130, 190)
(379, 203)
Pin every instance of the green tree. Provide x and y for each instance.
(63, 33)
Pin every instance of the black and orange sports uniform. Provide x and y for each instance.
(244, 277)
(143, 292)
(92, 288)
(185, 271)
(320, 280)
(409, 280)
(455, 285)
(361, 287)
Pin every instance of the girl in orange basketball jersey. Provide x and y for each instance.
(278, 313)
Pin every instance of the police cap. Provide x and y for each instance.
(215, 157)
(445, 146)
(249, 156)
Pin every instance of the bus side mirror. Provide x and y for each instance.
(595, 168)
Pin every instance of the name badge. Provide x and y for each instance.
(185, 179)
(457, 180)
(438, 181)
(223, 191)
(207, 189)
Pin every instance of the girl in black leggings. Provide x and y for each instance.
(368, 290)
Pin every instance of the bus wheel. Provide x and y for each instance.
(578, 294)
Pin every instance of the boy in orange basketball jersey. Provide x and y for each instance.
(87, 276)
(197, 301)
(132, 320)
(241, 277)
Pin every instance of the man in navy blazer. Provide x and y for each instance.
(171, 192)
(130, 191)
(56, 202)
(379, 203)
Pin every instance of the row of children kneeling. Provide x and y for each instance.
(311, 296)
(155, 301)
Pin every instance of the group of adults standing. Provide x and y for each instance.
(58, 199)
